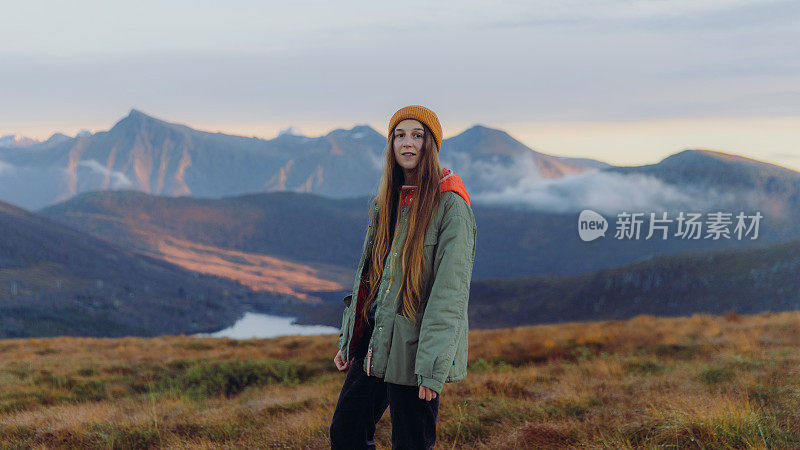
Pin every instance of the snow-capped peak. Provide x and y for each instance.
(16, 141)
(291, 130)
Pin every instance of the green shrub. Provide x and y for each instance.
(676, 351)
(487, 365)
(196, 345)
(87, 371)
(202, 378)
(20, 369)
(715, 375)
(646, 367)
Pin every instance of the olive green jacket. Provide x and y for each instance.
(434, 351)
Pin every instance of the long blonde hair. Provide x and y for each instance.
(425, 201)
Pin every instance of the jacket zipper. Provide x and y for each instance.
(369, 358)
(378, 307)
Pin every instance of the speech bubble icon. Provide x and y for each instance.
(591, 225)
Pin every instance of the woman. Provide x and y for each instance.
(405, 336)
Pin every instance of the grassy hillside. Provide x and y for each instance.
(696, 382)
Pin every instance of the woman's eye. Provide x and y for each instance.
(418, 136)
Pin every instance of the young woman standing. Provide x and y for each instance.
(405, 336)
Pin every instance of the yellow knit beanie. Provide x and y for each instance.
(422, 114)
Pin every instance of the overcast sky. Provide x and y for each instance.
(627, 82)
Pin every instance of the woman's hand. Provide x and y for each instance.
(426, 393)
(341, 364)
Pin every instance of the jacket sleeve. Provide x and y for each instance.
(446, 310)
(346, 301)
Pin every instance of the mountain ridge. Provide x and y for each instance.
(164, 158)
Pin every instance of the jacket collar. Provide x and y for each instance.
(449, 181)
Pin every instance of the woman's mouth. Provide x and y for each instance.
(408, 154)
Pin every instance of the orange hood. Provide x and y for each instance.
(449, 181)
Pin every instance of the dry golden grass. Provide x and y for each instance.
(693, 382)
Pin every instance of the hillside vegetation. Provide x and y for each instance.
(684, 382)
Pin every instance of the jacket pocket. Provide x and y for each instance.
(403, 352)
(429, 244)
(431, 237)
(458, 371)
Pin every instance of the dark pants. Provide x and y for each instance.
(361, 404)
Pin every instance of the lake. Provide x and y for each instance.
(257, 325)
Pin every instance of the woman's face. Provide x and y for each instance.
(408, 138)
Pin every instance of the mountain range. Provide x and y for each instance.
(156, 157)
(154, 227)
(745, 281)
